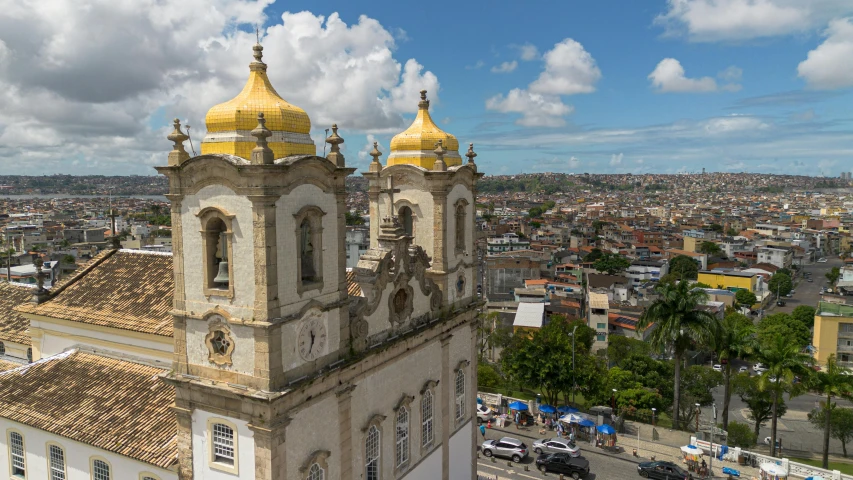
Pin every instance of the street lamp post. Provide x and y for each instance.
(698, 411)
(574, 381)
(653, 415)
(613, 402)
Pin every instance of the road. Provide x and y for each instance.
(602, 466)
(808, 293)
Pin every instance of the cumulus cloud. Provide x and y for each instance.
(476, 66)
(568, 70)
(528, 52)
(616, 160)
(731, 74)
(734, 124)
(574, 162)
(669, 77)
(828, 66)
(152, 59)
(364, 153)
(505, 67)
(736, 20)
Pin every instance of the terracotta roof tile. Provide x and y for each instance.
(353, 288)
(13, 326)
(125, 289)
(7, 365)
(115, 405)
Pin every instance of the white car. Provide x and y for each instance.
(743, 369)
(822, 260)
(717, 368)
(484, 413)
(759, 368)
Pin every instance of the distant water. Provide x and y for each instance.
(49, 196)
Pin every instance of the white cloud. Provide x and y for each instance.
(150, 60)
(731, 74)
(668, 77)
(364, 153)
(537, 110)
(574, 162)
(735, 20)
(639, 161)
(616, 160)
(476, 66)
(569, 70)
(828, 65)
(505, 67)
(734, 124)
(528, 52)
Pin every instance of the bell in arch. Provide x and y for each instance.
(222, 276)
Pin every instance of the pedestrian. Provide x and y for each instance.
(517, 418)
(483, 431)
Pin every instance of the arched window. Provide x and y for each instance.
(406, 221)
(427, 413)
(16, 455)
(316, 473)
(217, 240)
(2, 348)
(306, 252)
(30, 355)
(100, 470)
(460, 394)
(371, 454)
(402, 436)
(460, 227)
(56, 462)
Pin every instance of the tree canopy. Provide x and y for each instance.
(759, 403)
(805, 315)
(710, 248)
(780, 284)
(745, 298)
(840, 424)
(783, 325)
(611, 263)
(684, 267)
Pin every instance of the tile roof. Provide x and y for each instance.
(115, 405)
(13, 326)
(124, 289)
(7, 365)
(353, 288)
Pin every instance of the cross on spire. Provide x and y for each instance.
(390, 191)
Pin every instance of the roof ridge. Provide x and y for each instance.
(97, 260)
(144, 252)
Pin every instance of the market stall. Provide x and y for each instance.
(692, 457)
(605, 437)
(772, 471)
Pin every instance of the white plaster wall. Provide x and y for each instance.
(420, 302)
(461, 461)
(314, 428)
(243, 263)
(201, 448)
(429, 468)
(77, 456)
(57, 338)
(458, 192)
(290, 357)
(17, 350)
(381, 391)
(243, 357)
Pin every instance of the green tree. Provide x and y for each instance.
(716, 227)
(759, 403)
(784, 359)
(740, 435)
(840, 427)
(684, 267)
(697, 382)
(68, 259)
(733, 338)
(732, 232)
(634, 399)
(786, 271)
(652, 374)
(353, 218)
(804, 314)
(677, 325)
(782, 325)
(548, 205)
(593, 255)
(535, 212)
(780, 284)
(535, 224)
(611, 263)
(619, 348)
(745, 298)
(832, 381)
(487, 376)
(710, 248)
(833, 275)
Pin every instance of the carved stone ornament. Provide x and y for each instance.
(460, 284)
(219, 341)
(400, 304)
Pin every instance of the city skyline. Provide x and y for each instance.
(617, 87)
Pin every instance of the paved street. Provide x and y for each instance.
(808, 293)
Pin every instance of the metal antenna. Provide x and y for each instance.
(258, 34)
(324, 143)
(191, 140)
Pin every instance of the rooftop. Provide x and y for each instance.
(13, 326)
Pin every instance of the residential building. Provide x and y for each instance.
(833, 333)
(598, 319)
(508, 242)
(731, 280)
(357, 243)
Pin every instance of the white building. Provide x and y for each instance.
(508, 242)
(357, 244)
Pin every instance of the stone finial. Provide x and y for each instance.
(471, 154)
(178, 154)
(439, 151)
(258, 53)
(424, 103)
(335, 156)
(262, 154)
(375, 166)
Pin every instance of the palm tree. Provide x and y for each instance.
(832, 381)
(783, 359)
(677, 324)
(733, 338)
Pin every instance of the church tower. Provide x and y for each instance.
(430, 193)
(288, 367)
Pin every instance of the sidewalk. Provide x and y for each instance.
(648, 449)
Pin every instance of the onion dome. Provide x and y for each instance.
(230, 124)
(417, 144)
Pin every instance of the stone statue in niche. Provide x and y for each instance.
(306, 252)
(460, 228)
(399, 301)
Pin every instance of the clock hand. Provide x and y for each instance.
(312, 339)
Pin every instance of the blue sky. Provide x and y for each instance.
(605, 86)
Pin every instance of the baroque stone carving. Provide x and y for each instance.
(219, 341)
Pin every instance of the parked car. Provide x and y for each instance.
(556, 445)
(780, 303)
(507, 447)
(662, 471)
(484, 413)
(759, 368)
(718, 368)
(562, 463)
(743, 369)
(822, 260)
(790, 294)
(809, 280)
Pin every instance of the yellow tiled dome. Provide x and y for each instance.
(229, 124)
(416, 145)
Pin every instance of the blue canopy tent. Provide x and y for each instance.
(586, 423)
(567, 409)
(606, 429)
(518, 405)
(545, 408)
(606, 436)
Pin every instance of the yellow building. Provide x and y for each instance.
(833, 333)
(732, 281)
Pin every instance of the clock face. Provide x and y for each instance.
(312, 339)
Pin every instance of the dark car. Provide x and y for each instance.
(662, 471)
(563, 463)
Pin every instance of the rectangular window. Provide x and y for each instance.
(16, 453)
(223, 444)
(56, 463)
(602, 326)
(601, 337)
(427, 433)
